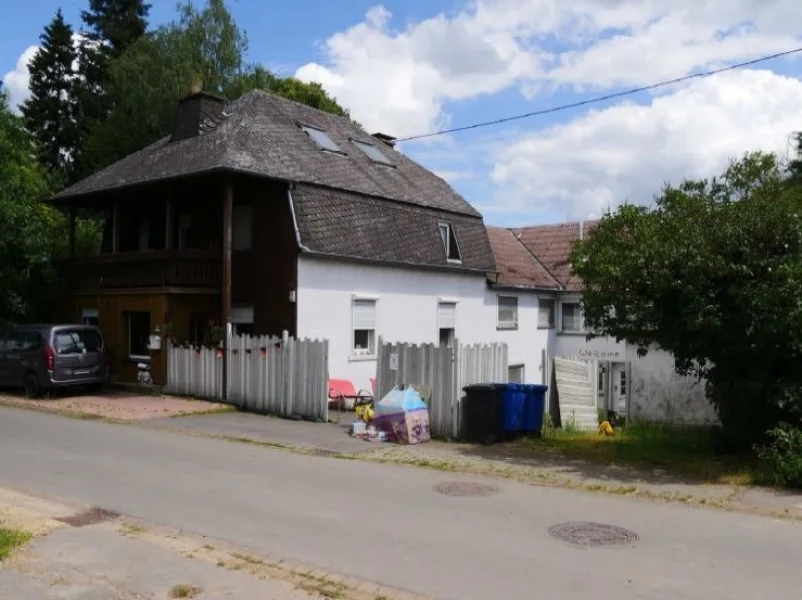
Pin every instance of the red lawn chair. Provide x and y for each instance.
(342, 390)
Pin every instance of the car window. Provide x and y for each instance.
(31, 340)
(14, 341)
(76, 341)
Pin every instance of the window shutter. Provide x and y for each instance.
(242, 315)
(364, 314)
(447, 315)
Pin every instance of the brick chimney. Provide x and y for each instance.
(195, 110)
(386, 139)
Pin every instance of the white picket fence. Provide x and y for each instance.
(445, 371)
(272, 375)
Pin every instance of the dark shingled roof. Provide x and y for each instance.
(341, 223)
(517, 266)
(552, 245)
(260, 135)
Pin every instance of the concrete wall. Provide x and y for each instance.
(406, 311)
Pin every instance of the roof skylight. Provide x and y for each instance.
(373, 153)
(321, 138)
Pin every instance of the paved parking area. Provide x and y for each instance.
(125, 406)
(325, 437)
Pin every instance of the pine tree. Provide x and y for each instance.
(118, 22)
(111, 27)
(49, 112)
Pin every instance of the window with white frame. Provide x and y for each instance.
(364, 327)
(449, 242)
(508, 312)
(242, 319)
(545, 313)
(242, 227)
(571, 316)
(515, 374)
(90, 316)
(447, 322)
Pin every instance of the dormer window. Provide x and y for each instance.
(322, 139)
(373, 153)
(449, 242)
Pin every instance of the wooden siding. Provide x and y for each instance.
(177, 309)
(265, 276)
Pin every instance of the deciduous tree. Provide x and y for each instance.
(713, 274)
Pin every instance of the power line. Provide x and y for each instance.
(562, 107)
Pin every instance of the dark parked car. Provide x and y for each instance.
(47, 357)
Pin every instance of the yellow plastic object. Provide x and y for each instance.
(606, 428)
(364, 412)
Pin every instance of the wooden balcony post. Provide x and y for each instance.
(228, 204)
(168, 223)
(72, 218)
(115, 229)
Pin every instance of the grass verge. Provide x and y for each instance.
(10, 539)
(688, 451)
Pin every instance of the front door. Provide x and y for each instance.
(618, 402)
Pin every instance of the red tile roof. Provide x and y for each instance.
(515, 264)
(552, 245)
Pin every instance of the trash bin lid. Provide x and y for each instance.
(480, 387)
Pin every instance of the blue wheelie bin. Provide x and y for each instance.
(522, 407)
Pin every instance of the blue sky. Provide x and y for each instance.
(412, 67)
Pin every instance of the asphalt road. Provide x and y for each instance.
(387, 524)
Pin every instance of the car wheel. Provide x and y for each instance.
(30, 384)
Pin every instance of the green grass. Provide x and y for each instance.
(682, 450)
(11, 539)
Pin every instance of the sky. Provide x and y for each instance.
(412, 67)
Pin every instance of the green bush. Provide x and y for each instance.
(781, 457)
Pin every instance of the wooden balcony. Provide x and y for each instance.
(156, 270)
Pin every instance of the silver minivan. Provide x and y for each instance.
(41, 358)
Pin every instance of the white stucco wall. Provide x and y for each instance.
(658, 393)
(406, 311)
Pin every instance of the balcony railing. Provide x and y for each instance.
(144, 270)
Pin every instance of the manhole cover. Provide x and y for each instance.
(90, 516)
(592, 534)
(465, 488)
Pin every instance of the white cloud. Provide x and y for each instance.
(399, 80)
(626, 152)
(16, 81)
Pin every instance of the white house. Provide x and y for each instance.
(649, 384)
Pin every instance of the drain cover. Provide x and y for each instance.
(592, 534)
(465, 488)
(90, 516)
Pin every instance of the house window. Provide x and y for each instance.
(449, 242)
(373, 153)
(138, 335)
(571, 316)
(515, 374)
(242, 320)
(243, 227)
(197, 329)
(322, 139)
(184, 229)
(364, 328)
(144, 235)
(545, 314)
(447, 322)
(89, 316)
(508, 312)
